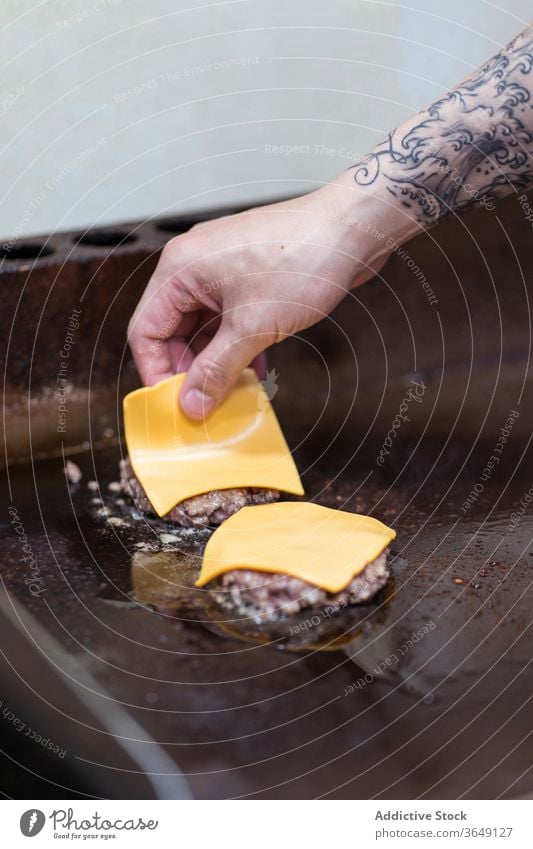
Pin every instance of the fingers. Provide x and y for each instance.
(217, 368)
(260, 365)
(161, 326)
(181, 355)
(148, 332)
(163, 314)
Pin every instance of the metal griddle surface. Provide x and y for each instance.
(426, 693)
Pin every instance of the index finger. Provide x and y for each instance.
(153, 323)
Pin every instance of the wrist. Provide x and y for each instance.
(369, 212)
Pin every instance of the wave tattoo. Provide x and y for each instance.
(471, 146)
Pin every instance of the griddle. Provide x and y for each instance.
(262, 715)
(152, 690)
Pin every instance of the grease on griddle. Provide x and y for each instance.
(165, 565)
(164, 580)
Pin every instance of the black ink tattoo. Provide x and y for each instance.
(473, 145)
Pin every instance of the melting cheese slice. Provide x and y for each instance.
(239, 445)
(324, 547)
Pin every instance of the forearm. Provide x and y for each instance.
(470, 147)
(235, 286)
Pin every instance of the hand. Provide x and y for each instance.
(226, 290)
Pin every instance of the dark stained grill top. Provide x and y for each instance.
(271, 713)
(115, 659)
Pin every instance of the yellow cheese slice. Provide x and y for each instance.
(322, 546)
(239, 445)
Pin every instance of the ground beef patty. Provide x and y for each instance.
(262, 595)
(211, 508)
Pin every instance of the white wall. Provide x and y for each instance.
(123, 109)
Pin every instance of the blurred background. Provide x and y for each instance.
(117, 110)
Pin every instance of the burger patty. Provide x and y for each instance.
(265, 596)
(210, 508)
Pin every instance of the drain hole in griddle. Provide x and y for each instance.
(24, 250)
(177, 225)
(105, 238)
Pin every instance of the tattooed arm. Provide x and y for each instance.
(469, 147)
(225, 291)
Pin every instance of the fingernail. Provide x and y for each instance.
(196, 404)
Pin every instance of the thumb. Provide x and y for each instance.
(217, 368)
